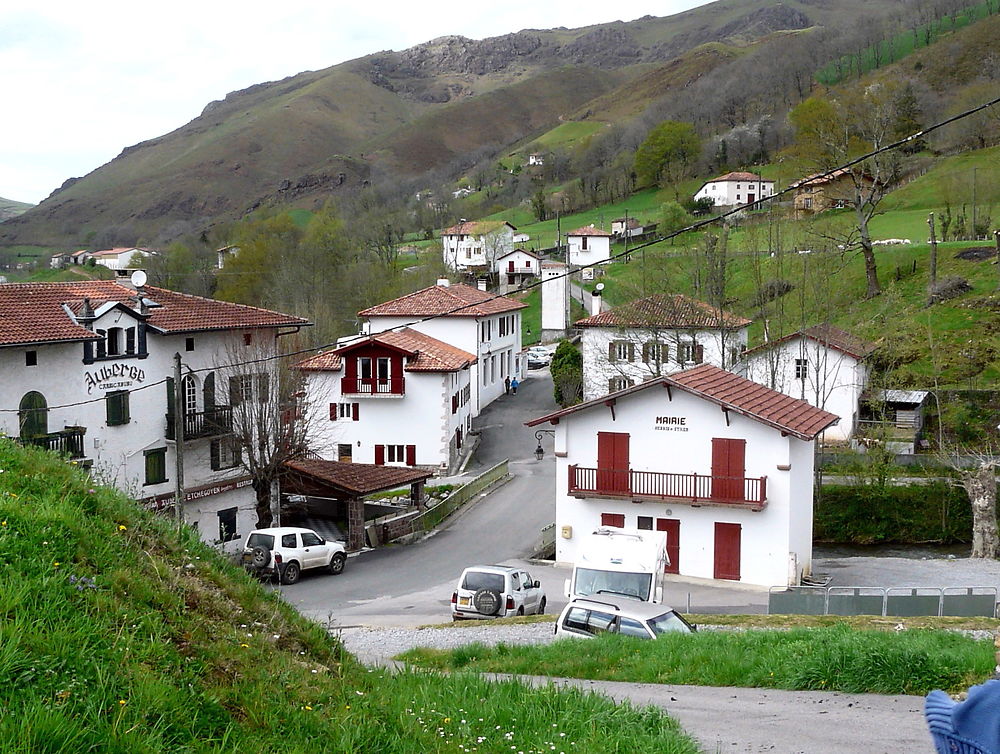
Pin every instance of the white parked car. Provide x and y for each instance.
(494, 591)
(587, 617)
(538, 357)
(286, 551)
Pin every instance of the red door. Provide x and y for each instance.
(612, 462)
(750, 198)
(727, 551)
(672, 526)
(728, 469)
(510, 266)
(380, 455)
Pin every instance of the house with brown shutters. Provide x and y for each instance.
(588, 246)
(722, 464)
(484, 324)
(397, 398)
(653, 336)
(823, 191)
(824, 365)
(476, 245)
(735, 189)
(87, 369)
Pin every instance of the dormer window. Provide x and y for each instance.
(116, 341)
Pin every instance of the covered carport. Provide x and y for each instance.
(332, 484)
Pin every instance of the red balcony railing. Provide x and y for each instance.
(372, 386)
(656, 485)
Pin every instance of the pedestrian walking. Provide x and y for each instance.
(506, 385)
(513, 386)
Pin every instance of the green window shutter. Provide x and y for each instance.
(170, 396)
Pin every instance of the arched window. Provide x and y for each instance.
(33, 415)
(190, 395)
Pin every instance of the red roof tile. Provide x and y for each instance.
(662, 310)
(357, 478)
(588, 230)
(37, 312)
(827, 335)
(456, 300)
(427, 354)
(740, 176)
(476, 228)
(789, 415)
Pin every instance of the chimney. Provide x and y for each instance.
(443, 282)
(595, 299)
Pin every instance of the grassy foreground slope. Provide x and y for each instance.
(119, 635)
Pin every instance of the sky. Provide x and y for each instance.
(82, 81)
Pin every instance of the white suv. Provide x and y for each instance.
(495, 591)
(587, 617)
(286, 551)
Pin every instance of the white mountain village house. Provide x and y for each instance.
(87, 370)
(721, 464)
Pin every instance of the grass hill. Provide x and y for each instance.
(320, 134)
(9, 208)
(119, 634)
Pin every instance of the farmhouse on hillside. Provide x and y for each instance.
(516, 267)
(653, 336)
(482, 324)
(721, 464)
(819, 192)
(588, 246)
(475, 246)
(88, 366)
(735, 189)
(823, 365)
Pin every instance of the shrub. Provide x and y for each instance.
(949, 287)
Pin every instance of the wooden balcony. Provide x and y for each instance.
(373, 386)
(695, 489)
(212, 423)
(68, 441)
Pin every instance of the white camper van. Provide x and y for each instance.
(621, 562)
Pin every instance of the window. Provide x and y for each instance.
(247, 338)
(807, 202)
(33, 415)
(655, 353)
(395, 453)
(583, 243)
(156, 466)
(248, 387)
(345, 452)
(189, 345)
(689, 352)
(616, 520)
(113, 345)
(382, 368)
(618, 383)
(190, 395)
(116, 404)
(735, 354)
(344, 411)
(31, 358)
(227, 525)
(225, 453)
(840, 204)
(632, 627)
(311, 539)
(801, 369)
(620, 350)
(644, 522)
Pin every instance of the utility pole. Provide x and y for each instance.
(975, 233)
(178, 444)
(933, 262)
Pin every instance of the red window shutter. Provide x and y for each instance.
(411, 455)
(631, 352)
(333, 412)
(380, 455)
(699, 354)
(611, 351)
(616, 520)
(354, 411)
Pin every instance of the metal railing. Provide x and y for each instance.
(372, 385)
(893, 601)
(657, 485)
(215, 421)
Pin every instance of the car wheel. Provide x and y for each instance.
(486, 602)
(541, 606)
(260, 557)
(520, 610)
(337, 563)
(291, 572)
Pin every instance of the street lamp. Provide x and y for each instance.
(539, 451)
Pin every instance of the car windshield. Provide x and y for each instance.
(664, 624)
(261, 540)
(476, 580)
(633, 585)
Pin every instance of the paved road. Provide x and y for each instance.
(412, 585)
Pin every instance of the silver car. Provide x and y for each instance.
(591, 616)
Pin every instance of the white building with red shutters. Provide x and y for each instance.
(399, 398)
(517, 266)
(823, 365)
(476, 244)
(588, 245)
(722, 464)
(483, 324)
(87, 369)
(654, 336)
(734, 189)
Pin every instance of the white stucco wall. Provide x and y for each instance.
(720, 349)
(524, 263)
(598, 249)
(768, 537)
(463, 251)
(421, 417)
(496, 356)
(731, 193)
(833, 381)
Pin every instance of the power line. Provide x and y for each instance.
(528, 287)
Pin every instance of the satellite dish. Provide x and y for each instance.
(599, 287)
(138, 278)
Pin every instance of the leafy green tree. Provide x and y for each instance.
(673, 217)
(538, 205)
(668, 154)
(567, 374)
